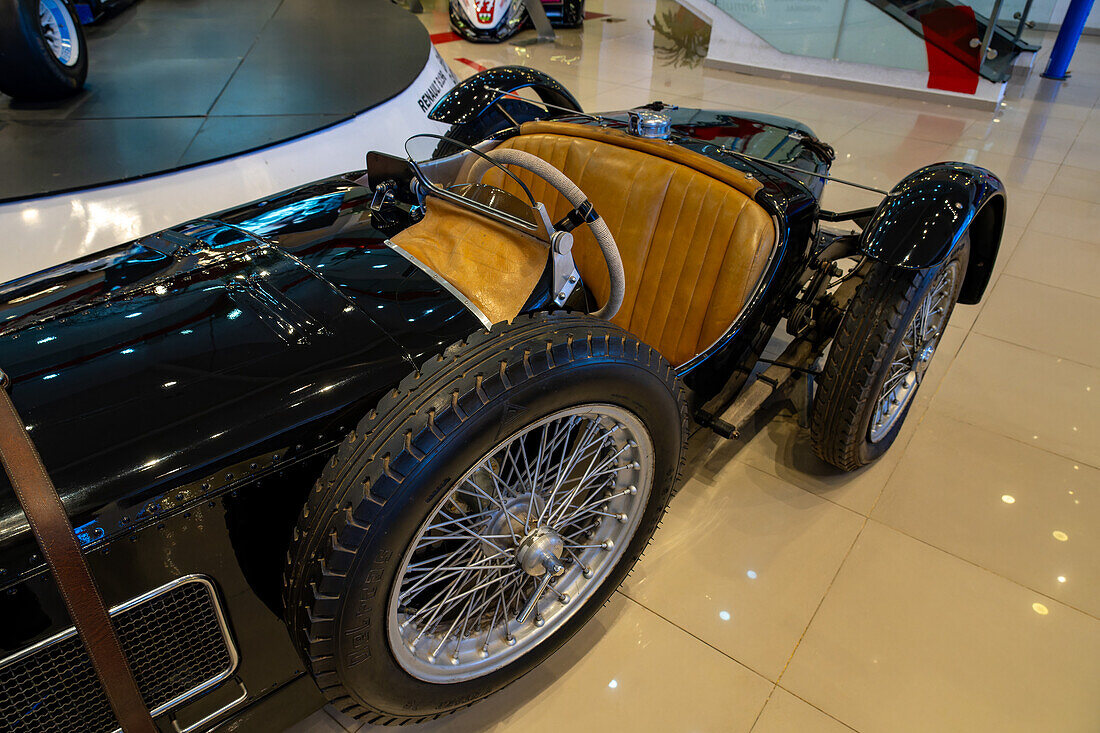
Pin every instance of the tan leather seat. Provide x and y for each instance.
(693, 241)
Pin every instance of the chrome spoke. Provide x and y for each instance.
(430, 577)
(457, 520)
(582, 510)
(588, 476)
(580, 452)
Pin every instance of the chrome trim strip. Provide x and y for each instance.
(216, 714)
(227, 637)
(761, 285)
(444, 284)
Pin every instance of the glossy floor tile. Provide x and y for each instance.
(786, 713)
(321, 722)
(742, 560)
(911, 639)
(781, 447)
(1056, 260)
(1042, 317)
(1077, 183)
(1005, 506)
(1067, 217)
(1036, 398)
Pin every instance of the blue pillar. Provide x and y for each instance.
(1068, 35)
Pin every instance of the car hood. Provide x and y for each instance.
(160, 362)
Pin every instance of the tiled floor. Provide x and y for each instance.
(952, 586)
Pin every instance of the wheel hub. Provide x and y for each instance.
(513, 522)
(540, 552)
(924, 357)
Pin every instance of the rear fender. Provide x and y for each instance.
(920, 222)
(470, 99)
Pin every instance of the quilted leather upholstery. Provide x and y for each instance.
(693, 246)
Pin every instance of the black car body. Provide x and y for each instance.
(185, 390)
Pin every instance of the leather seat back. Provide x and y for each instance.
(693, 244)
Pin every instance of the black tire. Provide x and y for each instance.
(870, 334)
(572, 13)
(387, 477)
(29, 70)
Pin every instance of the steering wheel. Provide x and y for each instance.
(582, 213)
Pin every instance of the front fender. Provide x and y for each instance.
(467, 101)
(920, 222)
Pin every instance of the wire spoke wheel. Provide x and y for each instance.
(481, 514)
(520, 542)
(914, 353)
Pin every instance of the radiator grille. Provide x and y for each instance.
(175, 640)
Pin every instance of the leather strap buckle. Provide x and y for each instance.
(583, 214)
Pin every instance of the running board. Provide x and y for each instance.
(798, 357)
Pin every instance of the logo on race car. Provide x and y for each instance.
(485, 10)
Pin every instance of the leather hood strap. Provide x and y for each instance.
(58, 543)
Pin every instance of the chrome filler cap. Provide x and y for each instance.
(645, 123)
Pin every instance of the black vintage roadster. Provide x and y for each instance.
(397, 434)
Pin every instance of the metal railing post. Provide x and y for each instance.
(1023, 21)
(989, 29)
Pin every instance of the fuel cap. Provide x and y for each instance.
(644, 123)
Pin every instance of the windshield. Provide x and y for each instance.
(460, 173)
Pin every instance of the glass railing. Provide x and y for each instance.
(903, 34)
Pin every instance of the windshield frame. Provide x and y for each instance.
(431, 188)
